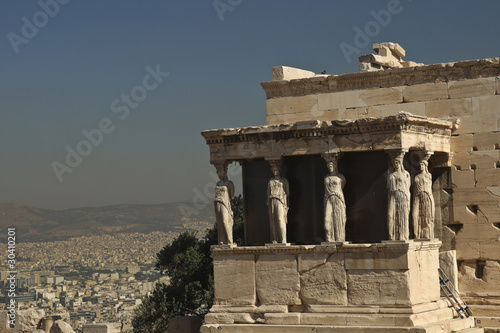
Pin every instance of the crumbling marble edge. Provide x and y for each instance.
(385, 246)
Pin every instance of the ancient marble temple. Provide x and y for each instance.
(340, 198)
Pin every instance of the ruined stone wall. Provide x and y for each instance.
(469, 192)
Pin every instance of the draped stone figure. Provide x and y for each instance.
(423, 203)
(398, 212)
(277, 204)
(335, 212)
(224, 191)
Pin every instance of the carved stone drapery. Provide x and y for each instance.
(224, 191)
(334, 203)
(277, 203)
(252, 146)
(398, 197)
(423, 209)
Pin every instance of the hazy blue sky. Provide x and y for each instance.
(71, 70)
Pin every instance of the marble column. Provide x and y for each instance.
(398, 197)
(423, 208)
(334, 203)
(224, 191)
(278, 195)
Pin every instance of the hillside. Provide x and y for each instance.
(40, 225)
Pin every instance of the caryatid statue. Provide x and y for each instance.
(398, 211)
(277, 204)
(423, 203)
(224, 191)
(335, 212)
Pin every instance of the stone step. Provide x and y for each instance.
(487, 321)
(472, 330)
(446, 326)
(264, 328)
(450, 325)
(432, 316)
(491, 330)
(340, 319)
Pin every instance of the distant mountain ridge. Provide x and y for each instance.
(40, 225)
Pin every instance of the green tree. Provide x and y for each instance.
(187, 261)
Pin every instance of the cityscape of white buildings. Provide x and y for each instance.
(92, 279)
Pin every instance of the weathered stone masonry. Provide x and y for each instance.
(450, 111)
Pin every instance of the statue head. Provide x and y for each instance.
(276, 171)
(423, 165)
(332, 167)
(398, 163)
(221, 171)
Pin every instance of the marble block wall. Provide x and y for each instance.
(252, 282)
(468, 194)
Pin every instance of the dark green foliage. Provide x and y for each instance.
(151, 315)
(187, 261)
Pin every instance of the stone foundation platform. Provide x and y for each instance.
(455, 325)
(389, 287)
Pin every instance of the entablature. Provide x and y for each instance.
(401, 131)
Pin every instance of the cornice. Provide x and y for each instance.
(403, 121)
(445, 72)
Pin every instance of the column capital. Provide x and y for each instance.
(275, 162)
(396, 151)
(273, 158)
(331, 156)
(423, 155)
(221, 168)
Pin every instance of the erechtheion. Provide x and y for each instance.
(358, 188)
